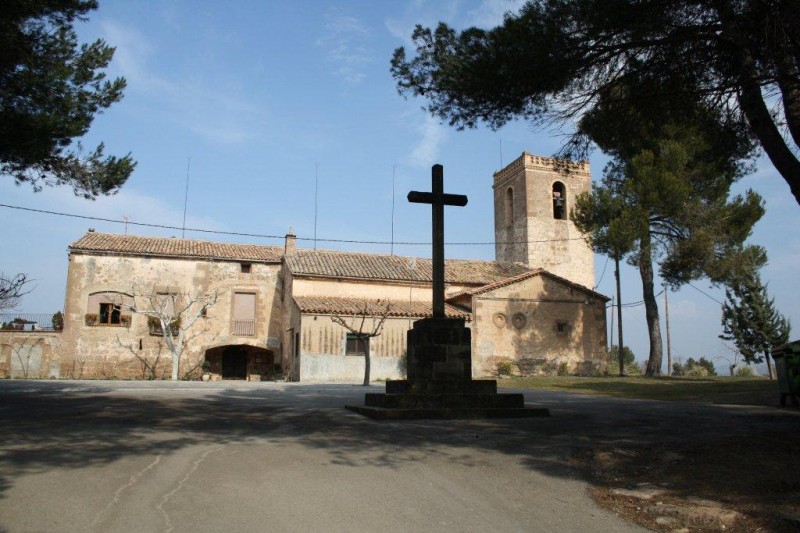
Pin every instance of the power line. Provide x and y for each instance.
(704, 293)
(603, 274)
(634, 304)
(266, 236)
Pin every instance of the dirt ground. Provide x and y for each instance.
(752, 484)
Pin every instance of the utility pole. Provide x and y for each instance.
(611, 344)
(619, 319)
(669, 346)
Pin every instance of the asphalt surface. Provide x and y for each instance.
(236, 456)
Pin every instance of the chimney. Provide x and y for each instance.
(290, 241)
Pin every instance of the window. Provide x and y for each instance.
(509, 206)
(559, 201)
(246, 267)
(109, 313)
(108, 309)
(244, 313)
(356, 346)
(562, 328)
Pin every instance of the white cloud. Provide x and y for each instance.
(428, 13)
(345, 42)
(218, 116)
(683, 309)
(425, 152)
(490, 13)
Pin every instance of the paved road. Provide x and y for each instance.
(235, 456)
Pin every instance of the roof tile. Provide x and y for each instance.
(94, 242)
(329, 305)
(397, 268)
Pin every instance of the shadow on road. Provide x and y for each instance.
(64, 425)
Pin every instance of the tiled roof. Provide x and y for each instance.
(94, 242)
(525, 275)
(324, 305)
(391, 267)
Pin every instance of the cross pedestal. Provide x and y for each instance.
(439, 360)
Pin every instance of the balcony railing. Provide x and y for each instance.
(243, 327)
(29, 322)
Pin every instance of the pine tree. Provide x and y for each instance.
(552, 59)
(664, 198)
(51, 88)
(751, 321)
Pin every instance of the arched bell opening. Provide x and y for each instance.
(559, 201)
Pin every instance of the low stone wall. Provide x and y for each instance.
(348, 368)
(30, 354)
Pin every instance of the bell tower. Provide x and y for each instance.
(533, 196)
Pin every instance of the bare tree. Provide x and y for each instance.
(173, 314)
(365, 323)
(149, 365)
(12, 289)
(23, 352)
(733, 359)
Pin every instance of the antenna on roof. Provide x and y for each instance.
(125, 219)
(185, 197)
(316, 190)
(392, 245)
(501, 153)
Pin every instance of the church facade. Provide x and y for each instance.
(278, 310)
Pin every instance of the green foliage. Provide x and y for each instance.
(664, 198)
(750, 319)
(669, 189)
(505, 367)
(631, 369)
(58, 321)
(701, 368)
(744, 372)
(51, 88)
(563, 369)
(628, 356)
(562, 59)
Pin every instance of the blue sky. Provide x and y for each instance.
(258, 97)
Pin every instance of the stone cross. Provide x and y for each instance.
(438, 199)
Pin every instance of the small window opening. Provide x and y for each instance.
(356, 346)
(109, 314)
(509, 206)
(246, 268)
(559, 201)
(562, 328)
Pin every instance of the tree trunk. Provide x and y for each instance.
(768, 357)
(650, 306)
(175, 361)
(752, 103)
(366, 361)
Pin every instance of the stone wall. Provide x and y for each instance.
(126, 350)
(540, 240)
(538, 324)
(347, 288)
(322, 351)
(30, 354)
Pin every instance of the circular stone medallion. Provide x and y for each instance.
(499, 320)
(519, 320)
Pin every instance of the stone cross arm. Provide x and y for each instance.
(438, 199)
(417, 197)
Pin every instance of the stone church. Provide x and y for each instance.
(532, 310)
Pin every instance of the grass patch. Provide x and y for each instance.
(717, 390)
